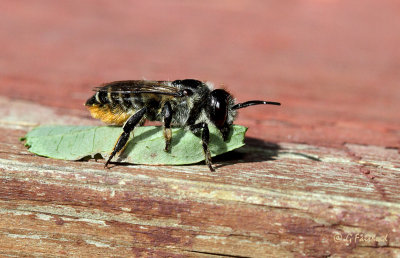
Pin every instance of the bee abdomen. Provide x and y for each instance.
(126, 100)
(99, 98)
(110, 107)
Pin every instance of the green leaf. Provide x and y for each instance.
(146, 147)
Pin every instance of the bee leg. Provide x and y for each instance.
(128, 127)
(225, 130)
(167, 113)
(205, 137)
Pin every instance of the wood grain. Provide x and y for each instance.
(319, 176)
(277, 199)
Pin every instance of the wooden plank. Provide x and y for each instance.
(277, 199)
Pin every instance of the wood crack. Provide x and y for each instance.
(217, 254)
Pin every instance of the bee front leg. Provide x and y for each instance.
(205, 138)
(225, 130)
(167, 114)
(128, 128)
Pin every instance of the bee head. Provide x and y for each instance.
(220, 111)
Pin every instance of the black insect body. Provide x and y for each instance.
(185, 103)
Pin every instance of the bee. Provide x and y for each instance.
(187, 103)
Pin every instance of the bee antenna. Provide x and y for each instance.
(254, 102)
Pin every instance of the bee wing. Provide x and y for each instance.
(138, 87)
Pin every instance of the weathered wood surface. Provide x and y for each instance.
(264, 199)
(317, 177)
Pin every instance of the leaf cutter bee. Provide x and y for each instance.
(185, 103)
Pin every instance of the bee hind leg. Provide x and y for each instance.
(128, 128)
(205, 138)
(167, 114)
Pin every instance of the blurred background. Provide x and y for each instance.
(334, 65)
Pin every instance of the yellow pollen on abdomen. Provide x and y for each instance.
(110, 116)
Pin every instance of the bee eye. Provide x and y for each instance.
(218, 103)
